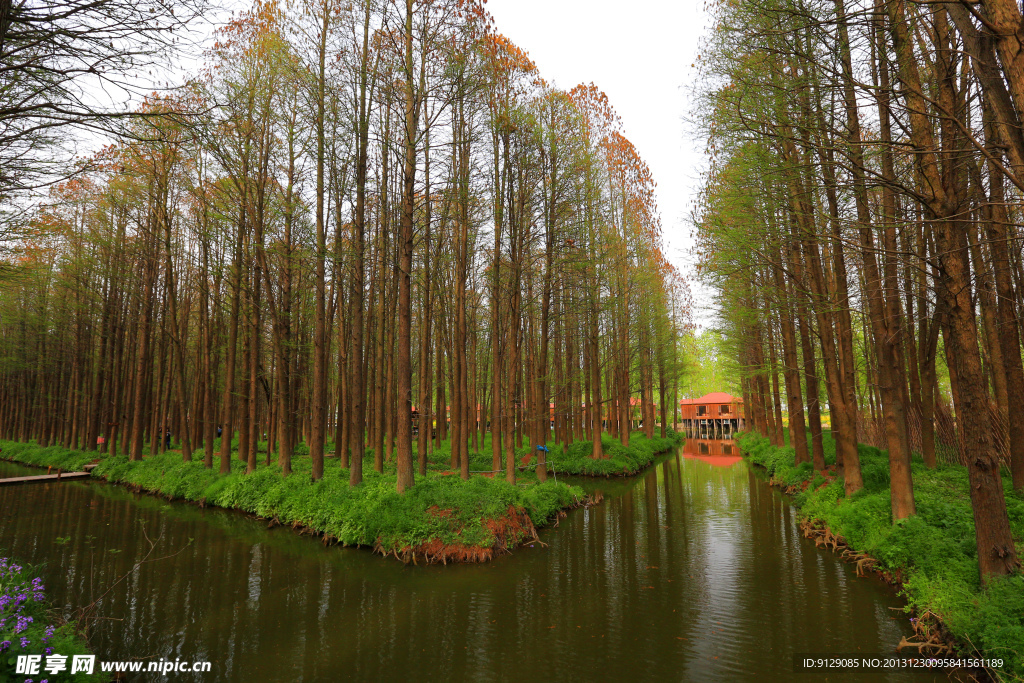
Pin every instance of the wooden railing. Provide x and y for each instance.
(949, 439)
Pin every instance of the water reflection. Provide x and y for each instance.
(716, 452)
(691, 572)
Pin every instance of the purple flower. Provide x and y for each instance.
(22, 624)
(4, 645)
(49, 650)
(25, 641)
(48, 633)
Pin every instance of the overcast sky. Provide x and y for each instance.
(640, 53)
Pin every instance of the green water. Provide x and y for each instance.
(694, 571)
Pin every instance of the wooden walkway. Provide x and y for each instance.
(43, 478)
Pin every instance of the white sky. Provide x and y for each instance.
(640, 53)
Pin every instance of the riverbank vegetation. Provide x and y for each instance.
(860, 251)
(619, 460)
(445, 519)
(28, 626)
(933, 554)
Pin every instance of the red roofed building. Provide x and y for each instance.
(714, 413)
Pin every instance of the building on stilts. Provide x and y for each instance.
(717, 415)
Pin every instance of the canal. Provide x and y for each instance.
(694, 571)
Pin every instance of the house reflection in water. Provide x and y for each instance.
(718, 452)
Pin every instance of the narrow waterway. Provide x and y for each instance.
(694, 571)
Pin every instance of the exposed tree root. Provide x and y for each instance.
(823, 537)
(508, 530)
(559, 516)
(930, 634)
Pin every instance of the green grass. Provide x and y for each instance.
(619, 460)
(934, 551)
(50, 456)
(439, 508)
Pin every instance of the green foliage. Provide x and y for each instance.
(934, 551)
(619, 460)
(438, 508)
(709, 365)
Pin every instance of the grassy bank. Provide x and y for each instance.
(619, 460)
(574, 460)
(441, 519)
(933, 553)
(29, 627)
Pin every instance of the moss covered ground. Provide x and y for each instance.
(933, 552)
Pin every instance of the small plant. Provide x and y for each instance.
(28, 627)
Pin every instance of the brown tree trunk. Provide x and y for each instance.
(996, 552)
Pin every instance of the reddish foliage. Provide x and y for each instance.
(509, 529)
(435, 511)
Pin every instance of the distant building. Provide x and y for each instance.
(717, 413)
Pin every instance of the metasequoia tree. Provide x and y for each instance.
(384, 220)
(860, 213)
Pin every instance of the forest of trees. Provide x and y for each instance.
(356, 212)
(860, 219)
